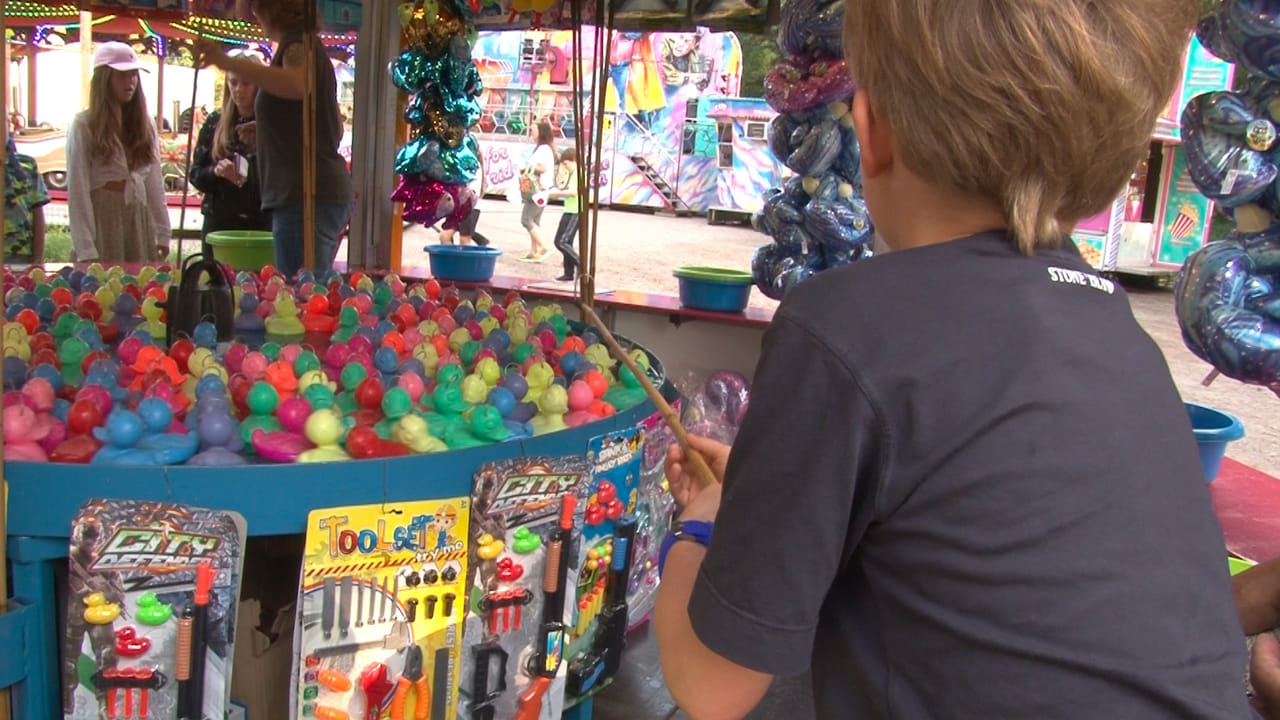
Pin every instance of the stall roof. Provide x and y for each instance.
(29, 13)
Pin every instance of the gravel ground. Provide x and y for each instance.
(637, 251)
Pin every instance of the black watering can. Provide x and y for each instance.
(191, 301)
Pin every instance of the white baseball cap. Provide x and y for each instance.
(117, 56)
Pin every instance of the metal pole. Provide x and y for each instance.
(309, 138)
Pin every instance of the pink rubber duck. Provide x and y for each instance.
(580, 399)
(284, 446)
(23, 431)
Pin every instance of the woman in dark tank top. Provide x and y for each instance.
(279, 140)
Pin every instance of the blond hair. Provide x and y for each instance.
(114, 127)
(224, 136)
(1045, 107)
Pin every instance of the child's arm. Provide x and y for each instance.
(1257, 592)
(79, 198)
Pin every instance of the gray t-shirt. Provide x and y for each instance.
(966, 487)
(280, 140)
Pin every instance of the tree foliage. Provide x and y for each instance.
(759, 55)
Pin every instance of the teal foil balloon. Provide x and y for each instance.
(415, 110)
(412, 70)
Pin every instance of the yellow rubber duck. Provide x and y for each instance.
(428, 328)
(315, 377)
(151, 312)
(427, 354)
(489, 371)
(474, 389)
(540, 377)
(552, 405)
(489, 324)
(284, 320)
(412, 432)
(324, 430)
(98, 611)
(518, 328)
(458, 338)
(16, 341)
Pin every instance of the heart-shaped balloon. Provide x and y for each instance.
(426, 201)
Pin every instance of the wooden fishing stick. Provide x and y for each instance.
(698, 464)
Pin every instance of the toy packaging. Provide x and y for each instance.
(521, 601)
(653, 516)
(152, 594)
(382, 598)
(598, 634)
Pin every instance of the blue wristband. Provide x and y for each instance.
(698, 531)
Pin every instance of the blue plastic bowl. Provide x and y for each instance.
(714, 289)
(1214, 430)
(462, 263)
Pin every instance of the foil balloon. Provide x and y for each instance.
(423, 155)
(840, 224)
(800, 84)
(412, 70)
(1212, 33)
(415, 110)
(426, 201)
(1228, 307)
(448, 127)
(1228, 143)
(1251, 29)
(434, 38)
(811, 26)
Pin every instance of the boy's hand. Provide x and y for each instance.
(209, 52)
(684, 486)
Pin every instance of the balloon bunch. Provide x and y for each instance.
(442, 156)
(817, 219)
(1228, 293)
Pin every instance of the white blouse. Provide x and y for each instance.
(86, 174)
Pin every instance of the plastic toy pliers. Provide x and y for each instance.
(412, 679)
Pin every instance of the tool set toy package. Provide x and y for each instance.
(153, 589)
(382, 597)
(526, 524)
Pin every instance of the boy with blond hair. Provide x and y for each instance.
(966, 486)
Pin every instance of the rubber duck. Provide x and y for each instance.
(98, 611)
(486, 423)
(279, 375)
(129, 644)
(324, 429)
(396, 404)
(248, 320)
(580, 399)
(316, 317)
(151, 611)
(474, 389)
(284, 321)
(540, 377)
(448, 406)
(262, 401)
(364, 443)
(151, 312)
(348, 324)
(552, 405)
(413, 432)
(169, 448)
(119, 435)
(220, 440)
(24, 428)
(627, 395)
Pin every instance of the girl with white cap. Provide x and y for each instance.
(115, 189)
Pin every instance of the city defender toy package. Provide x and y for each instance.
(152, 595)
(526, 523)
(382, 599)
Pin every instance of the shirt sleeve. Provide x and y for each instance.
(79, 189)
(201, 172)
(156, 205)
(796, 497)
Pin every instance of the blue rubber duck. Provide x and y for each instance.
(168, 448)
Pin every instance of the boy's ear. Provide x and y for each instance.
(875, 137)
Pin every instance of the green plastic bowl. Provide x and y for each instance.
(243, 249)
(714, 289)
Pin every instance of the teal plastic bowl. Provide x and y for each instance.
(462, 263)
(714, 289)
(1214, 430)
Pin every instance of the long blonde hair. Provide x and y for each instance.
(224, 138)
(127, 127)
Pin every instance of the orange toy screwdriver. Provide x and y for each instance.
(412, 679)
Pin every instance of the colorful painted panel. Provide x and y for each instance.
(625, 14)
(1202, 73)
(657, 84)
(1183, 215)
(1098, 237)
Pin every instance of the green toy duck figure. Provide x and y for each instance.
(325, 430)
(283, 321)
(396, 405)
(553, 403)
(413, 432)
(627, 395)
(448, 406)
(262, 401)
